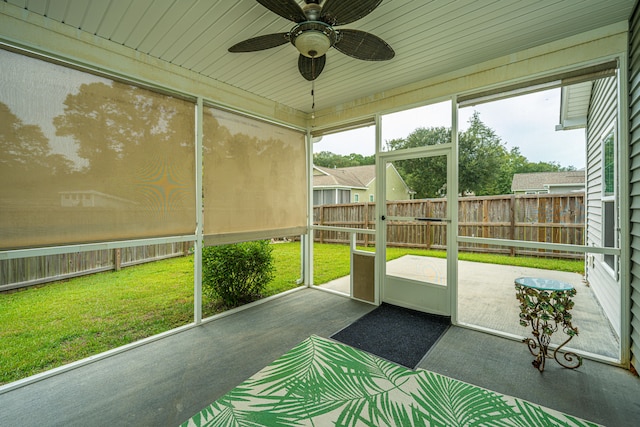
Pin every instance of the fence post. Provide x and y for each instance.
(428, 212)
(486, 233)
(321, 223)
(542, 218)
(117, 259)
(512, 228)
(365, 225)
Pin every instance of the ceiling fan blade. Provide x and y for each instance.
(310, 68)
(340, 12)
(363, 45)
(260, 43)
(288, 9)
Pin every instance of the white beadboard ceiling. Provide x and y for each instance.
(429, 38)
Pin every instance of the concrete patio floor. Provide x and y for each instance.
(487, 299)
(166, 381)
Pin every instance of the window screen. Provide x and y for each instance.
(254, 177)
(86, 159)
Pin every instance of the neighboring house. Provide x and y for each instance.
(548, 182)
(355, 184)
(92, 199)
(594, 107)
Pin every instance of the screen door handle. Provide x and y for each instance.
(432, 219)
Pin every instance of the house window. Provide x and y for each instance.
(608, 165)
(371, 197)
(331, 197)
(328, 197)
(356, 198)
(609, 210)
(344, 196)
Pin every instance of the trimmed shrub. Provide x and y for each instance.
(238, 273)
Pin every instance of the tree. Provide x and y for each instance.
(426, 176)
(481, 155)
(130, 135)
(485, 166)
(26, 159)
(331, 160)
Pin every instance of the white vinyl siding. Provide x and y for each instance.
(634, 181)
(600, 272)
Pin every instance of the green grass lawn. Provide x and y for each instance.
(47, 326)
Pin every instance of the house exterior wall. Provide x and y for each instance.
(634, 181)
(361, 196)
(553, 189)
(602, 279)
(563, 189)
(396, 188)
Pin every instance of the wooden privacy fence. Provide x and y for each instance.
(22, 272)
(550, 218)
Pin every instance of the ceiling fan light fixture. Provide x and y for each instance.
(312, 44)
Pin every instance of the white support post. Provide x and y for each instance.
(198, 244)
(380, 209)
(452, 214)
(307, 240)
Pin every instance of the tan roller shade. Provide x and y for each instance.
(254, 178)
(88, 159)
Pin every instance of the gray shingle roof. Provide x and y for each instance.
(538, 180)
(353, 177)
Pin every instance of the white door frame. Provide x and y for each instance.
(445, 301)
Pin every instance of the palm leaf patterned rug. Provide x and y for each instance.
(324, 383)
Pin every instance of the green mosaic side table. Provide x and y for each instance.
(545, 306)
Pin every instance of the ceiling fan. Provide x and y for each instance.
(313, 35)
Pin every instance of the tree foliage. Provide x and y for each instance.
(332, 160)
(123, 131)
(27, 159)
(486, 167)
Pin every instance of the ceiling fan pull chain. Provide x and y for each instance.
(313, 99)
